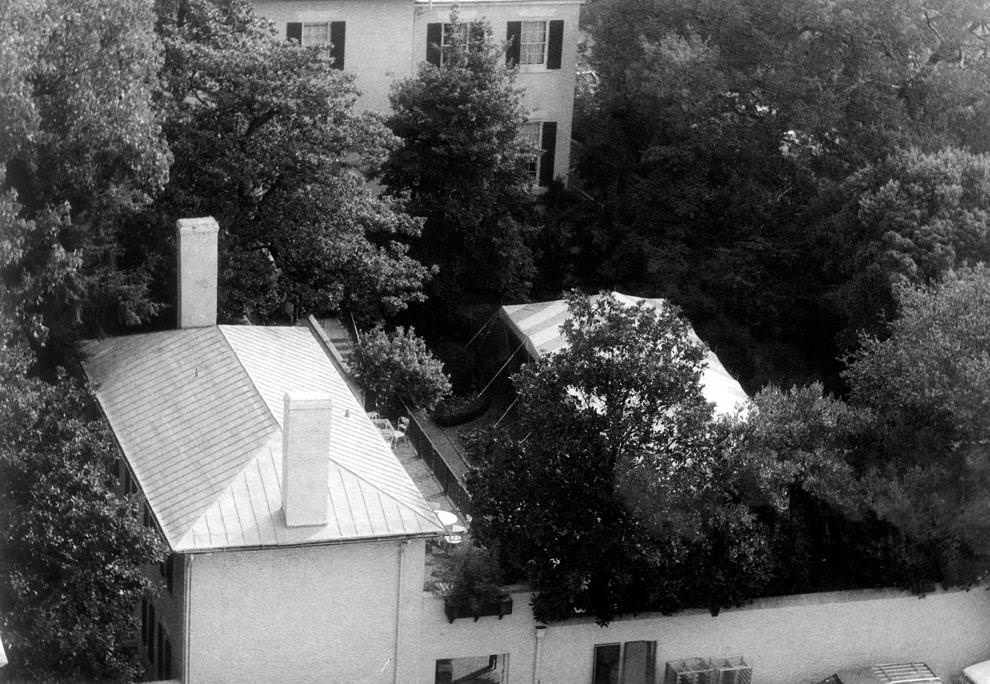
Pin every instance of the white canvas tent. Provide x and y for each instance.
(537, 325)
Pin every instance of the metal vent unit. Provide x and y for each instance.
(690, 671)
(733, 670)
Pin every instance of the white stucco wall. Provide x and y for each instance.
(378, 42)
(790, 640)
(313, 614)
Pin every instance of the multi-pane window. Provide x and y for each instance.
(332, 33)
(633, 662)
(533, 42)
(315, 34)
(530, 133)
(452, 35)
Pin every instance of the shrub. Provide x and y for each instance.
(457, 410)
(471, 579)
(399, 363)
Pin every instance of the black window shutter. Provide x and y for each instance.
(555, 44)
(161, 653)
(151, 633)
(434, 34)
(337, 34)
(549, 139)
(144, 621)
(293, 31)
(513, 35)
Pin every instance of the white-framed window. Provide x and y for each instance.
(449, 34)
(632, 662)
(533, 42)
(317, 33)
(532, 133)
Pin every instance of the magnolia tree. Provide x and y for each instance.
(609, 491)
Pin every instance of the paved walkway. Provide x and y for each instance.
(423, 477)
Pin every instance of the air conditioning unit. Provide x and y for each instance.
(690, 671)
(733, 670)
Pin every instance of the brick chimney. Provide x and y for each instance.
(197, 272)
(305, 458)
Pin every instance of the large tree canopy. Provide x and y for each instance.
(266, 139)
(929, 465)
(465, 168)
(617, 422)
(82, 151)
(71, 548)
(717, 145)
(906, 219)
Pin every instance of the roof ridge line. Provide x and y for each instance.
(391, 496)
(247, 374)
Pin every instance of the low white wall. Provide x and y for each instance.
(789, 640)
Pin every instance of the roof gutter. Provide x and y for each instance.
(324, 542)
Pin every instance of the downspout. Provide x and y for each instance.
(541, 631)
(186, 607)
(398, 611)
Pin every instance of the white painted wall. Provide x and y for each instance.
(312, 614)
(378, 45)
(790, 640)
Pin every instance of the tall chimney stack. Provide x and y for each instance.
(197, 272)
(305, 458)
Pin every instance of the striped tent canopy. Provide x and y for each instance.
(538, 327)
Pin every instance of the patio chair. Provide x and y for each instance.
(399, 434)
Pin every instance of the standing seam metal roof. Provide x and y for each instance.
(198, 415)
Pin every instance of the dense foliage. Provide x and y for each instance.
(678, 508)
(267, 140)
(72, 549)
(82, 152)
(927, 384)
(771, 167)
(617, 422)
(465, 167)
(399, 364)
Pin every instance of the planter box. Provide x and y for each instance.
(500, 607)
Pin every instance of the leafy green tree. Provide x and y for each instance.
(717, 135)
(800, 438)
(928, 468)
(906, 219)
(266, 139)
(81, 145)
(617, 421)
(72, 549)
(465, 168)
(400, 364)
